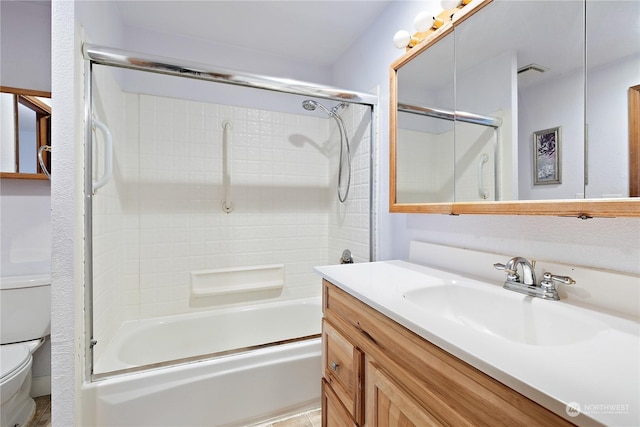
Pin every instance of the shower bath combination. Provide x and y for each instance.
(192, 247)
(311, 105)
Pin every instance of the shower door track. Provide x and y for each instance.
(101, 55)
(199, 358)
(161, 65)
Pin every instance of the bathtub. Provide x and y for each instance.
(210, 382)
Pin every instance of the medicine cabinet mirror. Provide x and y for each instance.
(25, 128)
(524, 107)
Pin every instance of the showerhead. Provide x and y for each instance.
(309, 105)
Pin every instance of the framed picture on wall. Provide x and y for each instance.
(546, 156)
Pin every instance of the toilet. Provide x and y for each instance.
(25, 310)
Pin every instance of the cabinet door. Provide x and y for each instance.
(333, 413)
(343, 366)
(389, 405)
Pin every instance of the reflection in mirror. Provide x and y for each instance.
(613, 68)
(529, 71)
(425, 144)
(25, 129)
(562, 78)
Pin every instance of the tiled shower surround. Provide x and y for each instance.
(161, 216)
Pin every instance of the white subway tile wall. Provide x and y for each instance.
(350, 221)
(161, 216)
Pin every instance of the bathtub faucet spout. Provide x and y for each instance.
(346, 257)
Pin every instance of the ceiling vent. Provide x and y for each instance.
(532, 67)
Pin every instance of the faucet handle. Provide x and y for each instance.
(562, 279)
(548, 281)
(511, 274)
(500, 266)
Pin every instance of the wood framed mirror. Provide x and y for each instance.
(25, 133)
(499, 60)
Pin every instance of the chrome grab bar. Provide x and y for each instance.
(227, 203)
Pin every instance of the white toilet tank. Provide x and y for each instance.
(25, 308)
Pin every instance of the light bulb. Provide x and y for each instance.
(401, 39)
(423, 21)
(449, 4)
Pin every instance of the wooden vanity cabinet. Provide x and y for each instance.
(342, 374)
(393, 377)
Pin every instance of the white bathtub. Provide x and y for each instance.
(234, 389)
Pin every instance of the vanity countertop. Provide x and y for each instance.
(596, 368)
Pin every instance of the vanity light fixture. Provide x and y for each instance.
(425, 24)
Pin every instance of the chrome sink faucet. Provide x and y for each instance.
(546, 289)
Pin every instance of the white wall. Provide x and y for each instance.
(25, 44)
(26, 227)
(552, 103)
(66, 213)
(607, 103)
(25, 205)
(605, 243)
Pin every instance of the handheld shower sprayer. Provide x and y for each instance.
(311, 105)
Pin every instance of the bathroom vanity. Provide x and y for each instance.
(407, 344)
(373, 364)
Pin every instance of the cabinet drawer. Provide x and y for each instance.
(333, 413)
(343, 368)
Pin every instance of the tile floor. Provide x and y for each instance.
(42, 418)
(312, 418)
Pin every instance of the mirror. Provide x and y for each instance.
(613, 71)
(533, 76)
(25, 133)
(426, 139)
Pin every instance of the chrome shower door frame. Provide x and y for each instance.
(98, 55)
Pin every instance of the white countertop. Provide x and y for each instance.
(600, 373)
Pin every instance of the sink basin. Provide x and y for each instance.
(505, 314)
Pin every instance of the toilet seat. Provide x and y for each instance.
(13, 357)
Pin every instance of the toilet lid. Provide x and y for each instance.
(12, 357)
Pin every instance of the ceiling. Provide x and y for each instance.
(309, 31)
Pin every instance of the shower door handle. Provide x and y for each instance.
(108, 155)
(43, 166)
(481, 191)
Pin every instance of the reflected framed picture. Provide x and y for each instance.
(546, 156)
